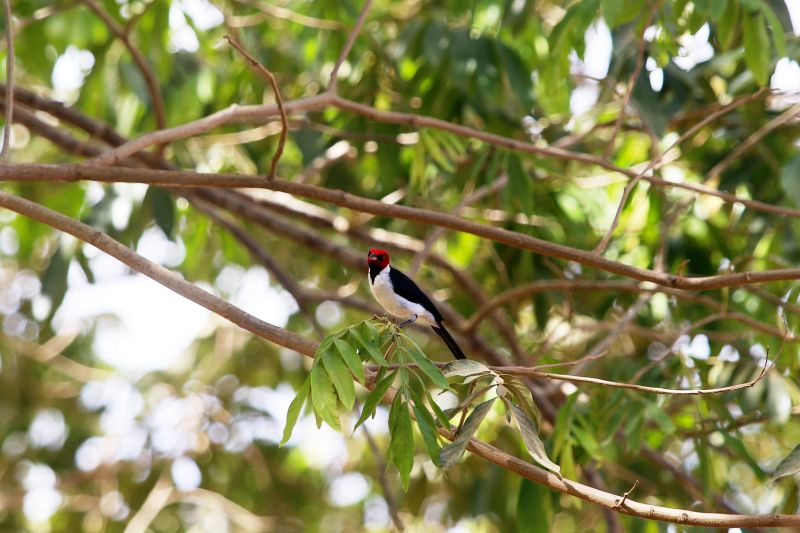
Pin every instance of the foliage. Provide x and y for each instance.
(111, 389)
(331, 391)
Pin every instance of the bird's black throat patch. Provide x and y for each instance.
(374, 270)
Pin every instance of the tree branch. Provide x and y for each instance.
(164, 276)
(260, 254)
(637, 69)
(525, 371)
(232, 114)
(348, 45)
(5, 152)
(265, 72)
(174, 178)
(147, 73)
(790, 114)
(306, 347)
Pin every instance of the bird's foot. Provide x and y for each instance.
(409, 321)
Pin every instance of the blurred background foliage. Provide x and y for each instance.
(117, 396)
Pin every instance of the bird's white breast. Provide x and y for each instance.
(394, 304)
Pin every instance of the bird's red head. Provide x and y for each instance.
(378, 257)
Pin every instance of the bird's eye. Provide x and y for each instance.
(380, 256)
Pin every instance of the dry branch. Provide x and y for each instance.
(267, 74)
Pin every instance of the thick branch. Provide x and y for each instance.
(162, 275)
(37, 172)
(631, 507)
(233, 113)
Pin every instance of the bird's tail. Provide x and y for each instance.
(449, 341)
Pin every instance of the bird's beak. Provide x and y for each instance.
(372, 257)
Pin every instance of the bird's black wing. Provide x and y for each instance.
(405, 287)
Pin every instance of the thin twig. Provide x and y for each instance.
(571, 363)
(388, 494)
(156, 499)
(711, 117)
(710, 426)
(785, 117)
(5, 153)
(476, 196)
(524, 371)
(56, 135)
(50, 354)
(265, 72)
(239, 114)
(298, 18)
(604, 343)
(239, 515)
(632, 79)
(232, 114)
(147, 73)
(348, 45)
(671, 350)
(96, 128)
(625, 495)
(533, 373)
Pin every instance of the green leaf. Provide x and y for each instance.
(751, 5)
(530, 436)
(561, 432)
(374, 352)
(163, 209)
(351, 358)
(435, 151)
(429, 369)
(294, 410)
(419, 168)
(466, 402)
(534, 508)
(450, 454)
(323, 397)
(567, 460)
(717, 9)
(789, 466)
(618, 12)
(587, 441)
(341, 379)
(54, 279)
(440, 416)
(756, 46)
(401, 444)
(728, 24)
(464, 367)
(778, 35)
(326, 344)
(427, 427)
(374, 398)
(737, 446)
(524, 400)
(516, 72)
(519, 190)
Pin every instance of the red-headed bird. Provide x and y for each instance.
(401, 297)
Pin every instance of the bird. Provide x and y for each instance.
(402, 298)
